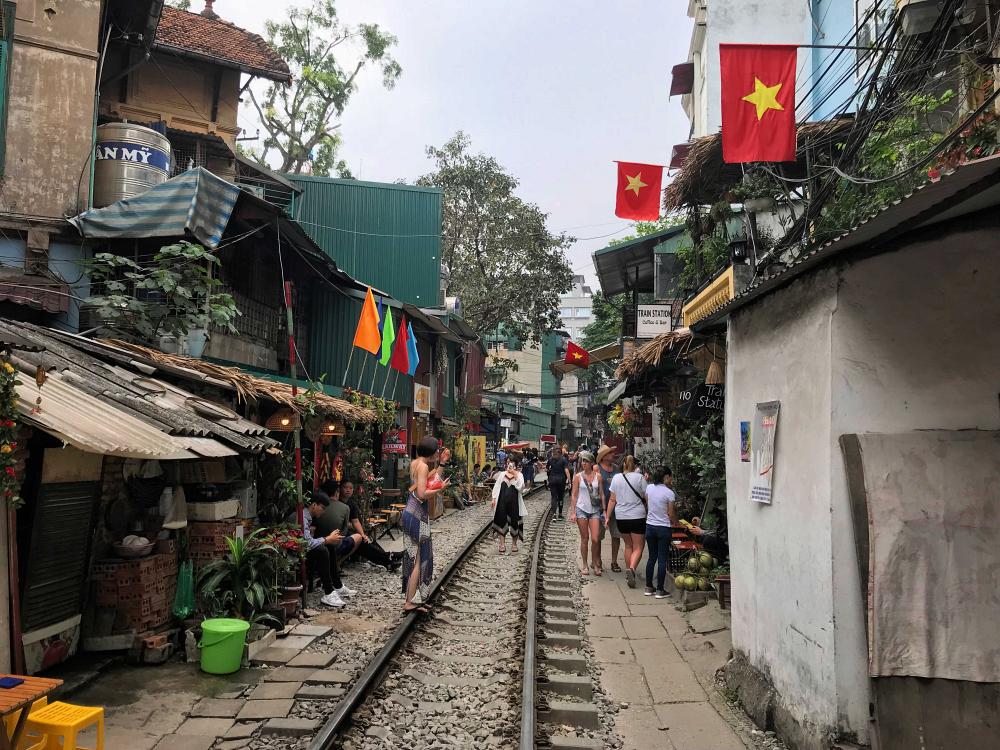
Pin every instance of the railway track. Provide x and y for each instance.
(500, 663)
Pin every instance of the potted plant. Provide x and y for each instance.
(243, 584)
(291, 546)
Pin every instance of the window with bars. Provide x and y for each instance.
(6, 45)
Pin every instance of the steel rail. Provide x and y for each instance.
(530, 628)
(379, 665)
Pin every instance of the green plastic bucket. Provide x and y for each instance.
(222, 642)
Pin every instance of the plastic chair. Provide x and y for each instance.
(11, 721)
(59, 723)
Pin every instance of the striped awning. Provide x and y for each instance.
(196, 201)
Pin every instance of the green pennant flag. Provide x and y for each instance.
(388, 336)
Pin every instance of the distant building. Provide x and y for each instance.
(576, 311)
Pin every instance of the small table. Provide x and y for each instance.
(21, 698)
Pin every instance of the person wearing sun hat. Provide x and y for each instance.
(606, 465)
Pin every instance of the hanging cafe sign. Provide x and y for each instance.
(703, 401)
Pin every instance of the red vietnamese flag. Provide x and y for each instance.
(400, 352)
(638, 196)
(758, 102)
(577, 355)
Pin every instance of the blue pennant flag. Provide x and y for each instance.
(411, 350)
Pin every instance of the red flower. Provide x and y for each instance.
(10, 471)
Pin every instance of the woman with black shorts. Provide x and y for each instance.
(628, 502)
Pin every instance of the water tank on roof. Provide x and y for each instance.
(128, 160)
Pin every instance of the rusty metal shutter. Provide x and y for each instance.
(55, 578)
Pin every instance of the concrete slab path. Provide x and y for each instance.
(641, 647)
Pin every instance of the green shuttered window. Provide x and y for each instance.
(6, 45)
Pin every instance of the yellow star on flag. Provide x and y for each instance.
(763, 97)
(577, 355)
(634, 183)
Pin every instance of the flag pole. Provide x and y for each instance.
(371, 388)
(347, 369)
(385, 383)
(361, 377)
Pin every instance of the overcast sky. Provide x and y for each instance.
(554, 89)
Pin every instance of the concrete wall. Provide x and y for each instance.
(50, 107)
(905, 340)
(907, 355)
(177, 91)
(760, 22)
(781, 554)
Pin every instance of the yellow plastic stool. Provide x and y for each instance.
(59, 723)
(11, 721)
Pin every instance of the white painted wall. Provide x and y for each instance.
(916, 346)
(740, 22)
(901, 341)
(781, 555)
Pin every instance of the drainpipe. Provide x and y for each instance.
(97, 107)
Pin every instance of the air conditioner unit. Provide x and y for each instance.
(919, 16)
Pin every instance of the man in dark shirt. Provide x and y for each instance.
(557, 469)
(366, 548)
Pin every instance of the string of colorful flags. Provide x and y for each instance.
(378, 335)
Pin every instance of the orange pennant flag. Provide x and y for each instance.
(367, 335)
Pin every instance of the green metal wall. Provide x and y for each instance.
(335, 317)
(385, 235)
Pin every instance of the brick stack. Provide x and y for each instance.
(207, 540)
(141, 591)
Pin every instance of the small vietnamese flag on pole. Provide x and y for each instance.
(577, 355)
(638, 196)
(366, 336)
(400, 351)
(758, 102)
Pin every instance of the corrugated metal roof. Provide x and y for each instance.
(386, 235)
(159, 404)
(90, 424)
(971, 187)
(628, 266)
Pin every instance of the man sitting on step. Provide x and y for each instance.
(324, 544)
(367, 547)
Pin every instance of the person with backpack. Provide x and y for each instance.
(557, 471)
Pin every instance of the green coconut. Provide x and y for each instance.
(693, 563)
(679, 581)
(703, 584)
(705, 559)
(690, 583)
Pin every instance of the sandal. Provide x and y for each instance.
(503, 547)
(585, 571)
(597, 570)
(615, 568)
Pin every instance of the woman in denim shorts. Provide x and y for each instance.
(587, 509)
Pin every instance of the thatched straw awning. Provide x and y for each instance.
(248, 387)
(650, 355)
(705, 178)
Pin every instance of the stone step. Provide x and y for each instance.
(574, 662)
(583, 715)
(571, 685)
(559, 613)
(568, 742)
(558, 603)
(562, 626)
(551, 639)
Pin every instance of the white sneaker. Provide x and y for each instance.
(333, 600)
(343, 592)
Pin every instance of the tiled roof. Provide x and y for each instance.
(182, 31)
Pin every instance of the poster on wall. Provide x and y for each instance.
(765, 425)
(421, 399)
(745, 442)
(394, 443)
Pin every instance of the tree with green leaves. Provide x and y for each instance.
(180, 4)
(502, 260)
(325, 56)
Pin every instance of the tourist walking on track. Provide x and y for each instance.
(660, 519)
(418, 553)
(508, 504)
(606, 465)
(587, 509)
(557, 470)
(628, 503)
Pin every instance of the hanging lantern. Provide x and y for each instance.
(284, 419)
(334, 428)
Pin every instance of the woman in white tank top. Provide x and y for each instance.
(587, 509)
